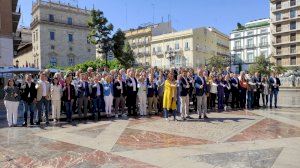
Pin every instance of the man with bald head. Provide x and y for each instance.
(201, 91)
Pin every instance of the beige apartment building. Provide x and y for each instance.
(59, 36)
(9, 40)
(285, 32)
(140, 40)
(188, 48)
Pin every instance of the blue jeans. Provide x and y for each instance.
(31, 108)
(40, 104)
(166, 114)
(275, 93)
(97, 102)
(250, 99)
(69, 112)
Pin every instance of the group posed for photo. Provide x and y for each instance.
(137, 93)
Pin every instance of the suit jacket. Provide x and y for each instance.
(233, 83)
(83, 90)
(94, 90)
(29, 93)
(65, 93)
(117, 92)
(271, 81)
(129, 84)
(184, 91)
(198, 83)
(39, 88)
(152, 89)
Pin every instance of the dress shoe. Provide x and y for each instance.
(205, 117)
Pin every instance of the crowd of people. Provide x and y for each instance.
(177, 92)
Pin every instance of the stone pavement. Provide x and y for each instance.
(246, 139)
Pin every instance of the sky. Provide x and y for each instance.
(184, 14)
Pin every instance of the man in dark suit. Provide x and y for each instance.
(97, 97)
(132, 91)
(274, 85)
(119, 95)
(29, 98)
(84, 91)
(201, 91)
(184, 95)
(234, 82)
(257, 92)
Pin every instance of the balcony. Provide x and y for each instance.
(249, 61)
(158, 53)
(278, 29)
(284, 5)
(58, 22)
(264, 44)
(249, 46)
(187, 49)
(237, 48)
(16, 18)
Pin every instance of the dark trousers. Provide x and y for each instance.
(131, 103)
(250, 98)
(69, 112)
(242, 97)
(213, 100)
(97, 101)
(235, 99)
(274, 94)
(226, 98)
(31, 108)
(256, 98)
(43, 102)
(82, 103)
(220, 101)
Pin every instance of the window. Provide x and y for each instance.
(70, 37)
(237, 35)
(237, 44)
(33, 37)
(293, 25)
(264, 40)
(52, 47)
(292, 2)
(250, 33)
(278, 16)
(89, 50)
(176, 46)
(292, 13)
(278, 61)
(153, 49)
(263, 31)
(53, 61)
(293, 49)
(293, 61)
(52, 36)
(37, 35)
(250, 42)
(250, 57)
(70, 21)
(51, 18)
(71, 48)
(278, 39)
(71, 61)
(278, 5)
(264, 53)
(278, 28)
(278, 50)
(159, 49)
(186, 46)
(293, 37)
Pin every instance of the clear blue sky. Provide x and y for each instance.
(185, 14)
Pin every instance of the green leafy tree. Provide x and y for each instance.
(100, 31)
(261, 65)
(113, 64)
(219, 62)
(279, 69)
(120, 49)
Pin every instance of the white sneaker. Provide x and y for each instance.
(225, 108)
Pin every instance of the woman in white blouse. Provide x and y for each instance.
(56, 94)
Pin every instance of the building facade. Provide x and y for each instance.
(188, 48)
(140, 40)
(285, 30)
(59, 35)
(248, 42)
(9, 39)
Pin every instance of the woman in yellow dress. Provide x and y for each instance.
(170, 96)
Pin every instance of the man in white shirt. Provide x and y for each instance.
(43, 95)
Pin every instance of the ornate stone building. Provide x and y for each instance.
(59, 35)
